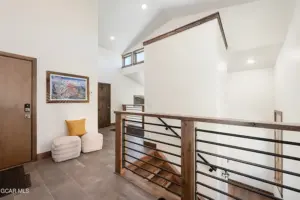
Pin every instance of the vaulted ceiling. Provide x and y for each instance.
(254, 28)
(127, 22)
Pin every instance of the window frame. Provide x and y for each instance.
(126, 56)
(133, 56)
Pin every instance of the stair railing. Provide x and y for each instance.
(193, 182)
(141, 107)
(168, 127)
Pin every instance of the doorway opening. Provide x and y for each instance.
(104, 105)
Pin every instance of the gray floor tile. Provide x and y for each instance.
(39, 193)
(88, 177)
(53, 177)
(70, 191)
(8, 197)
(36, 179)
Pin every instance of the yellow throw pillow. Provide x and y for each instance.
(76, 127)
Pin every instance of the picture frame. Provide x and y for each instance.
(67, 88)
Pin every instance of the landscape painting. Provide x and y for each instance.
(67, 88)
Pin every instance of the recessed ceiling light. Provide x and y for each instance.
(144, 6)
(112, 38)
(251, 61)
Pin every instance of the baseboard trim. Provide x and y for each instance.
(150, 144)
(44, 155)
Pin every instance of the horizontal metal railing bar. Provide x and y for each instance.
(203, 195)
(141, 105)
(228, 182)
(173, 154)
(155, 132)
(178, 175)
(220, 191)
(250, 150)
(254, 124)
(249, 137)
(249, 163)
(154, 124)
(153, 181)
(153, 156)
(145, 138)
(153, 173)
(253, 177)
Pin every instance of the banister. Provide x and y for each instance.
(247, 123)
(176, 134)
(168, 127)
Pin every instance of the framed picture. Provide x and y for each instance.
(278, 149)
(67, 88)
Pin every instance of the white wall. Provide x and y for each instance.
(122, 88)
(250, 96)
(178, 80)
(263, 23)
(62, 35)
(287, 76)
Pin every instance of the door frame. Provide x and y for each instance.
(33, 99)
(98, 102)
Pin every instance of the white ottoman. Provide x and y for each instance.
(91, 142)
(66, 148)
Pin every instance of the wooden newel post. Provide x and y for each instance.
(118, 145)
(188, 160)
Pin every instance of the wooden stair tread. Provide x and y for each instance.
(155, 173)
(156, 162)
(175, 188)
(145, 158)
(142, 172)
(149, 168)
(162, 181)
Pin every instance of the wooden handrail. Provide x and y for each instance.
(255, 124)
(189, 26)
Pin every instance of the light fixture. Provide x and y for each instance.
(112, 38)
(144, 6)
(251, 61)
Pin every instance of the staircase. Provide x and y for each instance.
(155, 164)
(157, 171)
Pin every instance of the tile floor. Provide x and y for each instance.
(89, 177)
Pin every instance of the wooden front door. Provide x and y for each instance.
(16, 127)
(103, 105)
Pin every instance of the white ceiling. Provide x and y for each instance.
(125, 19)
(264, 57)
(254, 28)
